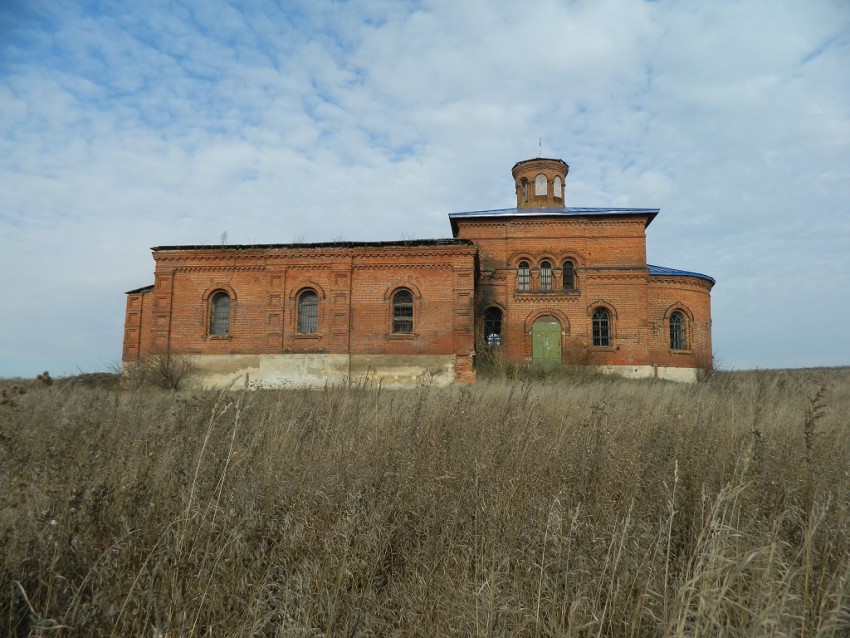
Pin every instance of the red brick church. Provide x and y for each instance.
(541, 284)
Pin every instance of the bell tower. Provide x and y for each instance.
(540, 182)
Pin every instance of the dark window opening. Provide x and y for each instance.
(569, 272)
(220, 314)
(493, 327)
(308, 312)
(601, 327)
(677, 331)
(545, 276)
(403, 312)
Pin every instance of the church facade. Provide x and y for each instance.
(540, 284)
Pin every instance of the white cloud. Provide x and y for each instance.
(168, 123)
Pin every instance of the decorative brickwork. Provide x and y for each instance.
(345, 292)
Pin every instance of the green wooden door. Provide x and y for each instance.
(546, 342)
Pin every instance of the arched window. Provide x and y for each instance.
(540, 184)
(569, 275)
(220, 314)
(403, 312)
(556, 186)
(678, 336)
(524, 186)
(523, 277)
(601, 327)
(545, 275)
(493, 327)
(308, 312)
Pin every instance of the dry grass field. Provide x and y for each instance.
(569, 506)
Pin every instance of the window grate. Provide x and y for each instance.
(601, 327)
(403, 312)
(545, 276)
(677, 331)
(308, 312)
(220, 314)
(524, 277)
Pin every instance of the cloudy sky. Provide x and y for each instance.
(126, 125)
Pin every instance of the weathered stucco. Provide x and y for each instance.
(669, 373)
(318, 370)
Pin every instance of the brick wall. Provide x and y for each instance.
(609, 254)
(354, 285)
(691, 296)
(453, 283)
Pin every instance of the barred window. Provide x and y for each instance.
(220, 314)
(569, 272)
(545, 275)
(540, 185)
(601, 327)
(524, 277)
(308, 312)
(403, 312)
(677, 331)
(493, 327)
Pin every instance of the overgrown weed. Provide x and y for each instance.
(602, 507)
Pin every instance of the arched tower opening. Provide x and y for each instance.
(540, 182)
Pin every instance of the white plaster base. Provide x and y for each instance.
(682, 375)
(319, 370)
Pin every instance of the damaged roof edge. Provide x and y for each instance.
(404, 243)
(139, 290)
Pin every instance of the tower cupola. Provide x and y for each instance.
(540, 182)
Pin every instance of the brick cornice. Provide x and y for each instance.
(579, 221)
(412, 252)
(195, 257)
(556, 297)
(406, 266)
(682, 281)
(314, 256)
(611, 275)
(218, 268)
(311, 255)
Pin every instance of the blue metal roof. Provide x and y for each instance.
(559, 211)
(673, 272)
(552, 211)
